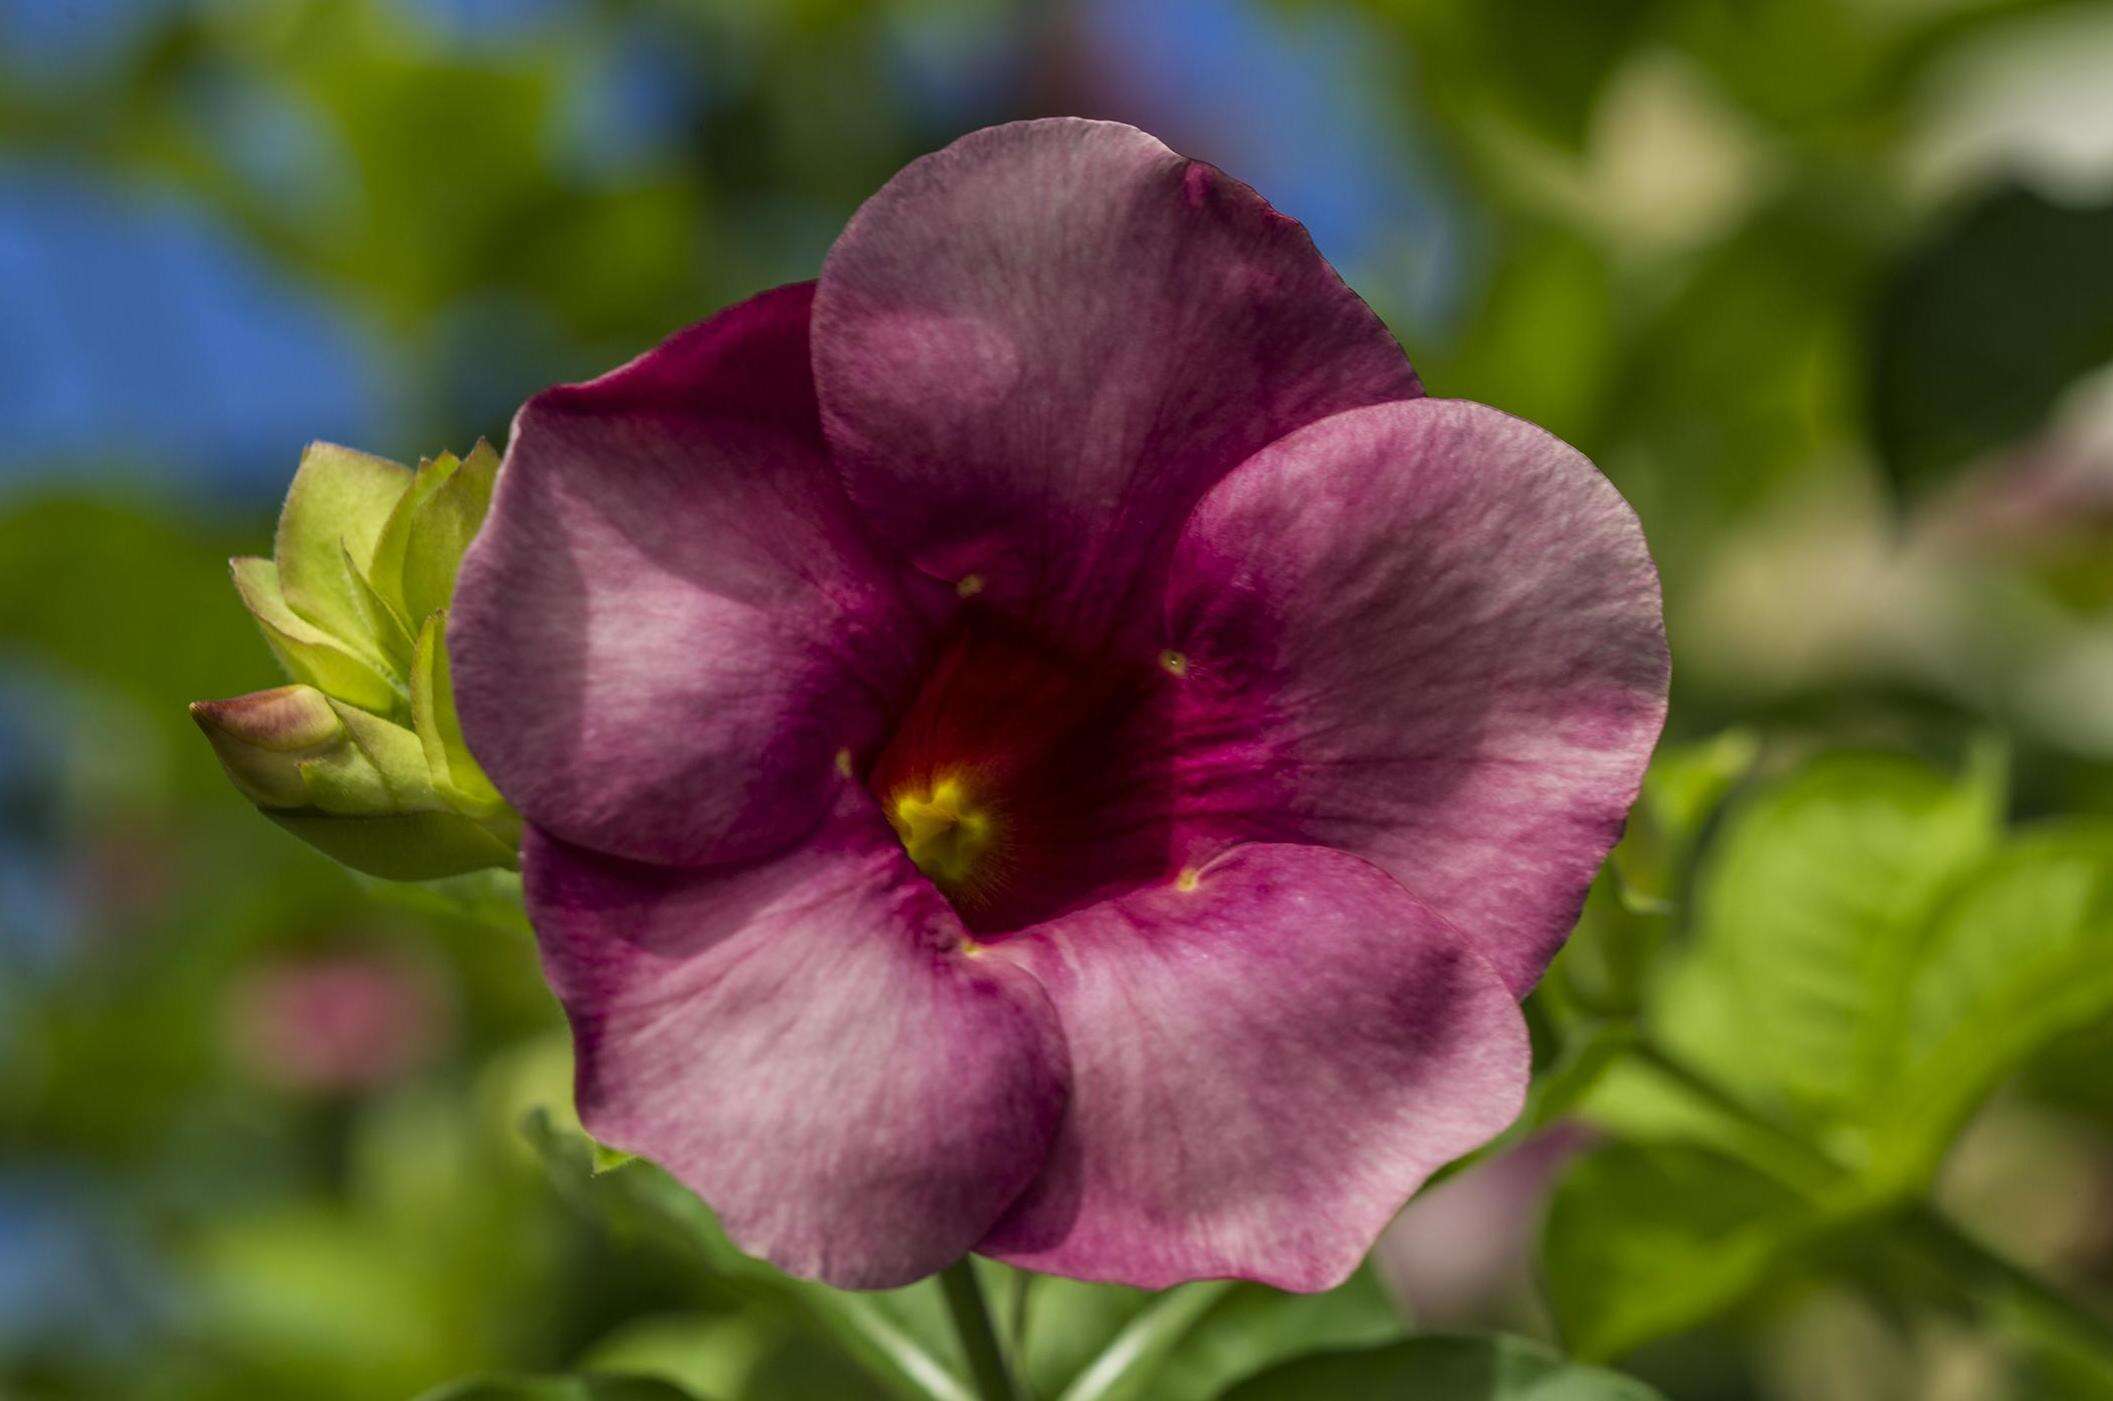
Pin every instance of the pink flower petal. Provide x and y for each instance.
(670, 624)
(1264, 1067)
(1036, 348)
(807, 1043)
(1427, 633)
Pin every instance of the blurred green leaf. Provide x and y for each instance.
(1681, 792)
(1983, 329)
(1472, 53)
(1743, 376)
(491, 898)
(1643, 1240)
(408, 846)
(1810, 912)
(1443, 1369)
(588, 1387)
(1630, 910)
(1542, 344)
(2023, 955)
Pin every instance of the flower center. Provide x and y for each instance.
(1025, 781)
(943, 828)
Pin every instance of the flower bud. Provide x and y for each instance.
(350, 783)
(363, 756)
(263, 738)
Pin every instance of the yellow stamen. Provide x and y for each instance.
(944, 830)
(1188, 880)
(1175, 662)
(970, 585)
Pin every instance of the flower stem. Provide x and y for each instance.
(1991, 1275)
(979, 1340)
(1145, 1342)
(1986, 1274)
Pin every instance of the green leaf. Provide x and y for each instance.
(309, 654)
(394, 542)
(2023, 955)
(384, 624)
(586, 1387)
(1610, 959)
(1810, 914)
(455, 773)
(442, 526)
(1682, 790)
(490, 897)
(1643, 1240)
(333, 516)
(411, 846)
(1984, 329)
(1583, 1062)
(1443, 1369)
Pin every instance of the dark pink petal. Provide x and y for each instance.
(1037, 347)
(1427, 633)
(807, 1043)
(670, 626)
(1263, 1068)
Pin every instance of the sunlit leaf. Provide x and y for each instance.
(1811, 908)
(442, 526)
(455, 773)
(1647, 1239)
(394, 542)
(332, 518)
(2021, 956)
(310, 655)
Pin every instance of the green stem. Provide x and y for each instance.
(1127, 1362)
(902, 1368)
(1016, 1337)
(979, 1340)
(1810, 1162)
(1989, 1276)
(1992, 1275)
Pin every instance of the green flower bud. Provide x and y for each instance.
(364, 757)
(350, 783)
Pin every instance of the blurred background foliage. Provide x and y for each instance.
(1826, 286)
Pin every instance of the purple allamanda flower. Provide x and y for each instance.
(1044, 741)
